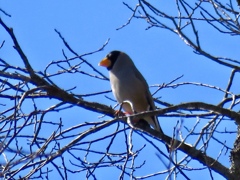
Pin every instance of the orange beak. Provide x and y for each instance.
(105, 62)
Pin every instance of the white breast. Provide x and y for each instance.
(126, 86)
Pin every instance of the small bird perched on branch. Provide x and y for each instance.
(128, 84)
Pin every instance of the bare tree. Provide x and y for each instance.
(31, 102)
(224, 18)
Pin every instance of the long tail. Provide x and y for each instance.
(157, 125)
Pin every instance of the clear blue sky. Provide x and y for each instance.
(86, 25)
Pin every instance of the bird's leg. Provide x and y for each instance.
(119, 113)
(140, 123)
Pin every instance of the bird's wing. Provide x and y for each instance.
(149, 99)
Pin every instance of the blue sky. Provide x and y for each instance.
(86, 25)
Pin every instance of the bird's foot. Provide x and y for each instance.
(119, 113)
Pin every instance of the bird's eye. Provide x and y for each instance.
(113, 55)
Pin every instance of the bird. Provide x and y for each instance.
(128, 84)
